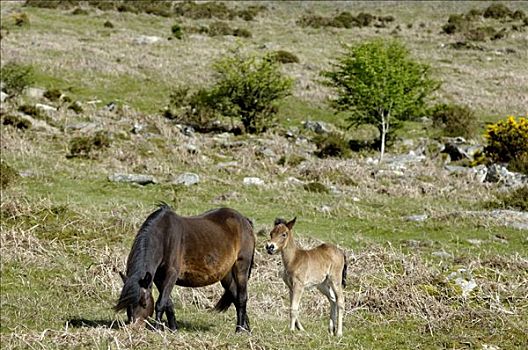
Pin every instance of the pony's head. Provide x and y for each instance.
(143, 308)
(280, 235)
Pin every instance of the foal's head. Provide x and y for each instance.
(145, 307)
(280, 235)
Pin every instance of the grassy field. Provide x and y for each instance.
(66, 230)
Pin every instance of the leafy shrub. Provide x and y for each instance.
(242, 32)
(455, 120)
(507, 140)
(53, 94)
(474, 14)
(480, 33)
(516, 199)
(344, 19)
(247, 87)
(518, 15)
(190, 107)
(210, 9)
(456, 24)
(379, 84)
(219, 28)
(250, 12)
(16, 77)
(331, 145)
(314, 21)
(76, 107)
(79, 11)
(283, 56)
(108, 24)
(497, 11)
(365, 19)
(21, 19)
(83, 146)
(177, 31)
(16, 121)
(8, 175)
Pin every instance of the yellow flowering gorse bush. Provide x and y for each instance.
(507, 140)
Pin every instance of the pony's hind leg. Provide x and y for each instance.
(340, 301)
(241, 276)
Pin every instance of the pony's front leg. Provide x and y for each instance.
(164, 303)
(295, 297)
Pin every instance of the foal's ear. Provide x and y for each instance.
(123, 277)
(290, 224)
(146, 281)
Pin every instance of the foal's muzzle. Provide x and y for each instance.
(271, 248)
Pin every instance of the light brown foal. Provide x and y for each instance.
(323, 267)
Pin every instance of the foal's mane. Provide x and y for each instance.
(279, 221)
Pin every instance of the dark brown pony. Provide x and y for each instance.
(195, 251)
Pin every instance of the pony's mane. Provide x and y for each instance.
(136, 259)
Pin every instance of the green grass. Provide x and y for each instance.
(66, 229)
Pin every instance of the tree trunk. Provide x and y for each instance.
(383, 134)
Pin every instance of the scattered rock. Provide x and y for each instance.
(34, 92)
(294, 181)
(137, 128)
(146, 40)
(317, 127)
(46, 108)
(324, 209)
(474, 241)
(84, 127)
(455, 152)
(225, 165)
(499, 174)
(3, 96)
(442, 254)
(186, 179)
(133, 178)
(466, 286)
(253, 181)
(417, 218)
(266, 152)
(191, 149)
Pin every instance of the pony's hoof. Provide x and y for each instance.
(240, 329)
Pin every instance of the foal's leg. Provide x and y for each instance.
(329, 293)
(338, 290)
(164, 303)
(296, 292)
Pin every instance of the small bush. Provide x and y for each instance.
(455, 120)
(16, 121)
(518, 15)
(250, 12)
(331, 145)
(474, 14)
(456, 24)
(480, 33)
(291, 160)
(177, 31)
(83, 146)
(242, 33)
(497, 11)
(344, 19)
(314, 21)
(21, 19)
(283, 56)
(516, 199)
(507, 140)
(210, 9)
(16, 77)
(79, 11)
(76, 107)
(108, 24)
(53, 94)
(8, 175)
(519, 164)
(365, 19)
(219, 28)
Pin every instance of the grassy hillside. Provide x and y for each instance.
(66, 230)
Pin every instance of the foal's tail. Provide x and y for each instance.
(225, 301)
(344, 272)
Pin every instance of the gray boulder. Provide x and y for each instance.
(186, 179)
(317, 127)
(499, 174)
(139, 179)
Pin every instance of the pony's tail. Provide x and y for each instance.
(131, 292)
(344, 272)
(225, 301)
